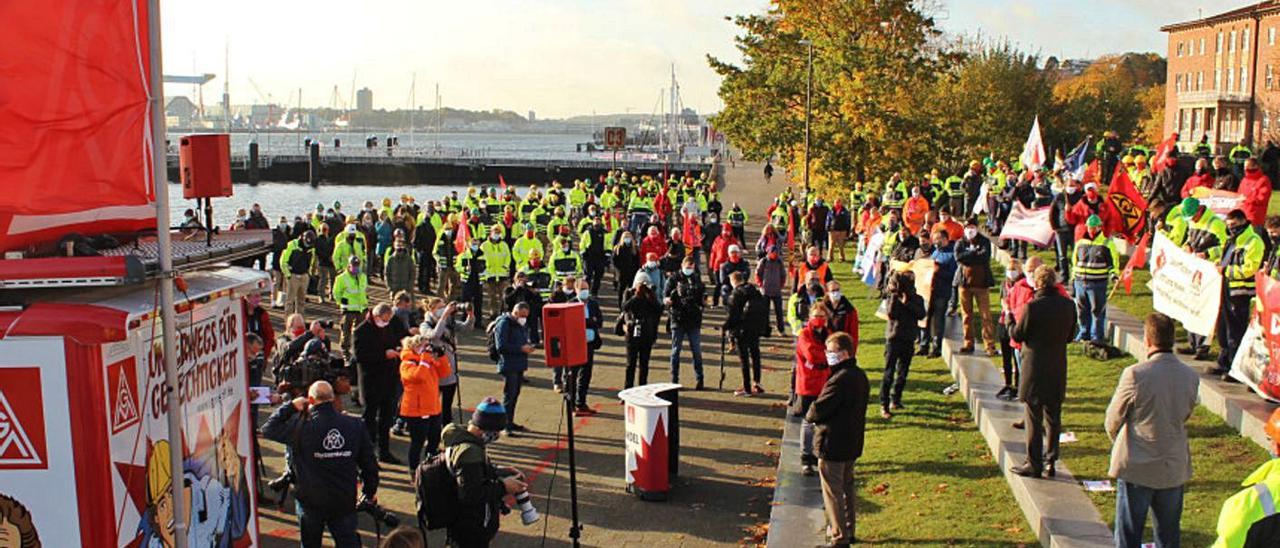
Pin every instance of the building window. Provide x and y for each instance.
(1217, 79)
(1231, 79)
(1266, 119)
(1177, 83)
(1199, 80)
(1195, 119)
(1271, 36)
(1244, 42)
(1219, 49)
(1202, 43)
(1244, 79)
(1179, 49)
(1231, 46)
(1270, 76)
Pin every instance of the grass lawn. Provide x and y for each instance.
(926, 477)
(1220, 456)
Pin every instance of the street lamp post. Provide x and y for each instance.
(808, 114)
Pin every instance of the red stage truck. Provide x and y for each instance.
(83, 432)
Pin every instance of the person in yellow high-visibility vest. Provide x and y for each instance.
(1249, 517)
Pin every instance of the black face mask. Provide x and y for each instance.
(1236, 230)
(1223, 171)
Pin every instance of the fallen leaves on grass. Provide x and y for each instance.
(940, 488)
(880, 489)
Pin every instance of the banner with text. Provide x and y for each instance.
(1258, 364)
(1184, 287)
(1028, 225)
(1218, 201)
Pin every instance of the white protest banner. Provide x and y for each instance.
(1184, 287)
(1028, 225)
(1218, 201)
(867, 262)
(1249, 366)
(980, 205)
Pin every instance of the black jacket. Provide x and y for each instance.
(330, 451)
(904, 318)
(839, 414)
(640, 314)
(737, 322)
(1048, 324)
(522, 294)
(975, 262)
(687, 294)
(324, 251)
(1058, 210)
(1165, 188)
(371, 344)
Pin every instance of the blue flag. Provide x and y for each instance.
(1074, 162)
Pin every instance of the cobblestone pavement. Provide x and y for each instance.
(728, 447)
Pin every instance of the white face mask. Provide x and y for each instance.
(970, 233)
(381, 323)
(833, 358)
(522, 321)
(835, 296)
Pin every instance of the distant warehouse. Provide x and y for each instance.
(1222, 78)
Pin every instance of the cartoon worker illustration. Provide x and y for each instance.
(16, 528)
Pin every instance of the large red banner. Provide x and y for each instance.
(1268, 318)
(76, 146)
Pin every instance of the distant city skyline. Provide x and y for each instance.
(560, 58)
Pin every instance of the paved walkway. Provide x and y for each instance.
(728, 455)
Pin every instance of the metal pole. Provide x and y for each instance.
(168, 319)
(575, 528)
(808, 116)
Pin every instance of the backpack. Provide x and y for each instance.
(491, 340)
(436, 492)
(755, 315)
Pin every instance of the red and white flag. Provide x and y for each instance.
(1162, 153)
(1028, 225)
(1033, 152)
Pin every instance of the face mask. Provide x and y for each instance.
(489, 437)
(299, 331)
(381, 323)
(651, 264)
(893, 226)
(1091, 194)
(834, 295)
(627, 241)
(818, 323)
(584, 295)
(944, 219)
(522, 321)
(687, 271)
(568, 291)
(1236, 229)
(773, 256)
(528, 234)
(475, 247)
(1072, 190)
(1013, 274)
(970, 233)
(833, 358)
(1032, 283)
(353, 270)
(437, 313)
(494, 237)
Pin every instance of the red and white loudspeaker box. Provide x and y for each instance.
(205, 165)
(564, 334)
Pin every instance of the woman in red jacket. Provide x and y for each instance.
(654, 243)
(421, 368)
(1255, 188)
(812, 372)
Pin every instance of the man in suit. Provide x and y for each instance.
(1045, 327)
(840, 417)
(1147, 420)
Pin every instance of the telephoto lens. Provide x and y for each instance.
(528, 514)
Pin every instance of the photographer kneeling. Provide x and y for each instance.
(481, 485)
(328, 450)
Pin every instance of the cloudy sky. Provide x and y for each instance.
(560, 57)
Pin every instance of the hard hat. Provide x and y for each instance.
(1127, 159)
(1272, 429)
(1190, 206)
(1094, 222)
(1141, 158)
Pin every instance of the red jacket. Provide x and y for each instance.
(720, 249)
(1196, 181)
(1256, 190)
(655, 244)
(812, 370)
(268, 333)
(1079, 213)
(1016, 299)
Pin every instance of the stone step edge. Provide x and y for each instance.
(1058, 510)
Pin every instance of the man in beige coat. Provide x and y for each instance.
(1147, 421)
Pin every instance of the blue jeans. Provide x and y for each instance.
(1091, 307)
(1132, 503)
(311, 528)
(694, 336)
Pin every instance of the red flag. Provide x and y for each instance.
(791, 232)
(1129, 204)
(1162, 153)
(502, 183)
(1136, 260)
(463, 236)
(1091, 173)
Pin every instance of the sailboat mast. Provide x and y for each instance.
(413, 85)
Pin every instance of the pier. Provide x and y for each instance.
(400, 167)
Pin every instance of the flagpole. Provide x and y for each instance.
(168, 320)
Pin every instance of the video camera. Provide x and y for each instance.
(378, 513)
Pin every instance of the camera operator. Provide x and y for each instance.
(294, 349)
(330, 452)
(439, 326)
(482, 485)
(523, 291)
(377, 350)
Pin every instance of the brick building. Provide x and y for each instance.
(1222, 78)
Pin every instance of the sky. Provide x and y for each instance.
(560, 58)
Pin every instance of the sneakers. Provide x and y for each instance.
(757, 389)
(897, 406)
(885, 414)
(1187, 350)
(583, 411)
(923, 351)
(559, 388)
(808, 470)
(740, 392)
(1007, 393)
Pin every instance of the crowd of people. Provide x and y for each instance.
(492, 258)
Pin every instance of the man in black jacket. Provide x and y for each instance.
(424, 241)
(685, 296)
(973, 252)
(377, 349)
(748, 320)
(328, 452)
(839, 415)
(580, 379)
(1163, 190)
(1064, 237)
(906, 309)
(1047, 325)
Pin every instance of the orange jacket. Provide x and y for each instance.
(914, 213)
(421, 374)
(953, 229)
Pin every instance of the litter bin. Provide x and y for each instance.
(652, 438)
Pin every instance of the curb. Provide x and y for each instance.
(797, 517)
(1057, 510)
